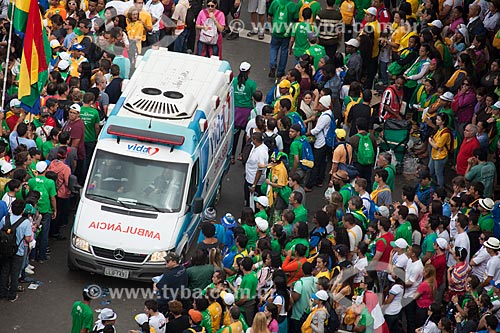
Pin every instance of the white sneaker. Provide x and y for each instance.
(29, 271)
(31, 267)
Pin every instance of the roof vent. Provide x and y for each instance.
(173, 94)
(152, 102)
(151, 91)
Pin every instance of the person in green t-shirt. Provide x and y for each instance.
(90, 117)
(52, 141)
(298, 208)
(82, 315)
(486, 221)
(245, 295)
(384, 161)
(299, 42)
(315, 50)
(479, 169)
(295, 154)
(404, 229)
(428, 242)
(365, 322)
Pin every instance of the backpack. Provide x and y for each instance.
(307, 161)
(330, 136)
(373, 248)
(366, 152)
(246, 150)
(8, 244)
(270, 142)
(332, 323)
(210, 35)
(370, 214)
(281, 23)
(304, 6)
(295, 118)
(348, 167)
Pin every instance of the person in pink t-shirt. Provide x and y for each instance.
(210, 22)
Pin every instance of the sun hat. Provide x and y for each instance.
(442, 243)
(492, 243)
(245, 66)
(284, 84)
(41, 166)
(321, 295)
(400, 242)
(352, 42)
(326, 101)
(141, 318)
(262, 224)
(487, 203)
(228, 221)
(371, 11)
(107, 314)
(262, 200)
(341, 175)
(340, 133)
(447, 96)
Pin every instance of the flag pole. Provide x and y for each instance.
(9, 42)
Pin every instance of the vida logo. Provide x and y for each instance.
(143, 149)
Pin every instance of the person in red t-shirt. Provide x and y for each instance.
(76, 127)
(12, 116)
(438, 260)
(390, 104)
(383, 250)
(467, 148)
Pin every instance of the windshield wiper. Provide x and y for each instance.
(154, 207)
(100, 196)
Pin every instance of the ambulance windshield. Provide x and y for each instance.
(137, 183)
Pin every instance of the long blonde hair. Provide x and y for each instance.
(260, 323)
(215, 258)
(430, 275)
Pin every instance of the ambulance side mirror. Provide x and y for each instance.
(197, 206)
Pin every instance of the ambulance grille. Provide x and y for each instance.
(152, 102)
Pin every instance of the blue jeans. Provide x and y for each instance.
(279, 44)
(9, 271)
(436, 168)
(180, 44)
(215, 49)
(43, 237)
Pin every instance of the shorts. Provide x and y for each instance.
(257, 6)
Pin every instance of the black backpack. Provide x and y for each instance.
(270, 142)
(8, 244)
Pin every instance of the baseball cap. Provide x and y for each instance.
(15, 103)
(340, 133)
(326, 101)
(64, 56)
(400, 242)
(321, 295)
(6, 168)
(352, 42)
(76, 47)
(107, 314)
(29, 209)
(341, 249)
(437, 24)
(262, 224)
(34, 151)
(228, 221)
(228, 298)
(41, 166)
(312, 36)
(172, 256)
(75, 107)
(195, 316)
(54, 43)
(296, 127)
(383, 210)
(284, 84)
(496, 106)
(495, 284)
(141, 318)
(371, 11)
(245, 66)
(262, 200)
(442, 243)
(63, 64)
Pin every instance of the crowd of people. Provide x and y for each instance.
(368, 260)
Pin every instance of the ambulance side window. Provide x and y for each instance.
(193, 182)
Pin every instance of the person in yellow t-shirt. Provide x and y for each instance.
(322, 267)
(136, 29)
(441, 148)
(55, 7)
(76, 59)
(214, 309)
(235, 326)
(144, 16)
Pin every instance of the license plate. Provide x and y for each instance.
(114, 272)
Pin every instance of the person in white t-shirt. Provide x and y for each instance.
(255, 167)
(480, 258)
(360, 188)
(398, 258)
(492, 271)
(156, 319)
(361, 262)
(354, 231)
(455, 204)
(414, 275)
(155, 9)
(267, 113)
(271, 129)
(461, 239)
(392, 305)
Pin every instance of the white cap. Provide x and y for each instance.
(321, 295)
(437, 24)
(262, 224)
(141, 318)
(496, 105)
(245, 66)
(15, 103)
(447, 96)
(353, 42)
(65, 56)
(6, 168)
(228, 299)
(383, 210)
(107, 314)
(371, 11)
(400, 243)
(262, 200)
(442, 243)
(63, 64)
(41, 166)
(54, 43)
(75, 107)
(326, 101)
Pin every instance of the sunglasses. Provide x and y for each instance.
(466, 84)
(482, 238)
(210, 6)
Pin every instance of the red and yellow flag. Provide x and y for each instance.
(36, 51)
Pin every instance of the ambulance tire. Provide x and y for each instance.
(71, 266)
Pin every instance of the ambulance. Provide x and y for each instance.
(159, 161)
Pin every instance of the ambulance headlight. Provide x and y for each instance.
(158, 256)
(81, 244)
